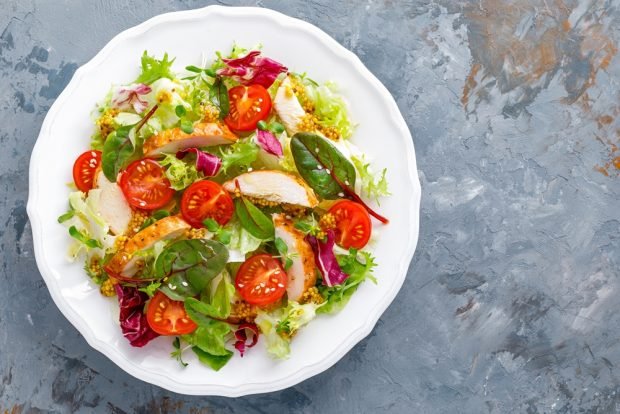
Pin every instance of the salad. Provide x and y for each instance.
(223, 204)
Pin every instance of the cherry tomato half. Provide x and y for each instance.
(168, 317)
(145, 185)
(353, 226)
(206, 199)
(248, 105)
(261, 280)
(84, 169)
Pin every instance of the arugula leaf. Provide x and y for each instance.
(218, 95)
(257, 223)
(150, 289)
(336, 297)
(178, 352)
(153, 69)
(118, 150)
(190, 265)
(216, 362)
(83, 238)
(321, 165)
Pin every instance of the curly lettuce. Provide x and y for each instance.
(373, 185)
(329, 107)
(280, 325)
(181, 174)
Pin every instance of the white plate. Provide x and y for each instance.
(382, 132)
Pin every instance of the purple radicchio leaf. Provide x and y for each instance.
(241, 337)
(209, 164)
(252, 69)
(325, 259)
(269, 142)
(132, 318)
(126, 97)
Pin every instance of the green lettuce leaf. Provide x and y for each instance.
(329, 107)
(153, 69)
(280, 325)
(240, 154)
(180, 173)
(359, 267)
(373, 185)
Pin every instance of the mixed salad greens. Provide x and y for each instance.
(222, 204)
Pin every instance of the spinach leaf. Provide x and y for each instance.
(190, 265)
(218, 95)
(257, 223)
(118, 149)
(322, 166)
(326, 170)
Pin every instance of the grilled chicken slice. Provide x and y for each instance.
(123, 263)
(301, 275)
(274, 186)
(173, 140)
(113, 206)
(288, 108)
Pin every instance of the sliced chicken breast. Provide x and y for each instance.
(287, 107)
(114, 208)
(173, 140)
(274, 186)
(301, 275)
(123, 263)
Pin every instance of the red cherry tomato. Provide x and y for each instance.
(261, 280)
(84, 169)
(353, 226)
(145, 185)
(248, 105)
(206, 199)
(168, 317)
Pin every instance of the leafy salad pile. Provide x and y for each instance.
(223, 203)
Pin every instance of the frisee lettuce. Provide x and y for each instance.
(181, 174)
(240, 154)
(373, 185)
(329, 107)
(359, 266)
(153, 69)
(280, 325)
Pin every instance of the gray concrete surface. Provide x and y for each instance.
(511, 303)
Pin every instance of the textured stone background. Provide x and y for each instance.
(511, 304)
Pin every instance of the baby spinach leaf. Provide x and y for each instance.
(117, 151)
(190, 265)
(257, 223)
(326, 170)
(218, 95)
(321, 165)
